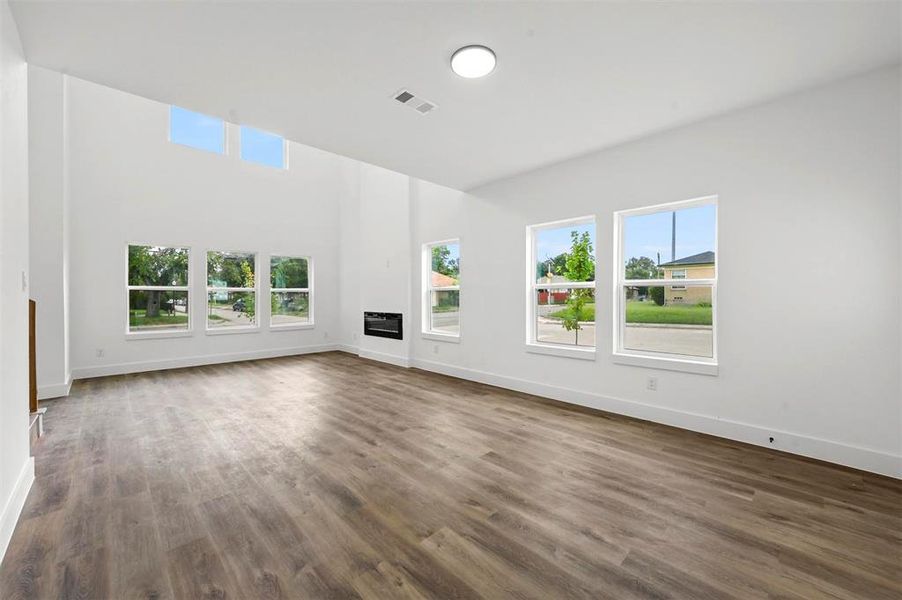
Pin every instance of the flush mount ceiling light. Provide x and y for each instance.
(473, 61)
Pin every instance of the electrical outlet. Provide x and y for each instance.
(652, 384)
(435, 348)
(100, 353)
(325, 335)
(354, 335)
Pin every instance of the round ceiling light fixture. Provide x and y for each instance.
(472, 62)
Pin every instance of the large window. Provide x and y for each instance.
(157, 289)
(658, 323)
(231, 290)
(196, 130)
(441, 289)
(561, 289)
(291, 295)
(262, 148)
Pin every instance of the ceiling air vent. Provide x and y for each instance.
(425, 107)
(420, 105)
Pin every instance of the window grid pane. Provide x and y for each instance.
(565, 316)
(445, 311)
(262, 148)
(565, 254)
(196, 130)
(290, 307)
(287, 272)
(157, 266)
(676, 320)
(157, 311)
(231, 309)
(231, 269)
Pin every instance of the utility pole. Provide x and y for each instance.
(673, 238)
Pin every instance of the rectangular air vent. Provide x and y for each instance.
(420, 105)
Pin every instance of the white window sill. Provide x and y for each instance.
(668, 364)
(158, 335)
(441, 337)
(565, 351)
(231, 330)
(291, 327)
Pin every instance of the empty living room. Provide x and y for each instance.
(446, 300)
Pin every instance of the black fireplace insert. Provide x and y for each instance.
(380, 324)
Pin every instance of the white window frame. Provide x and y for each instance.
(427, 288)
(209, 288)
(309, 289)
(138, 335)
(660, 360)
(532, 288)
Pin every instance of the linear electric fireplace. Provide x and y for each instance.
(380, 324)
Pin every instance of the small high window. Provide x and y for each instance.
(262, 148)
(196, 130)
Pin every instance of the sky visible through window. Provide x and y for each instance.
(454, 252)
(553, 242)
(648, 235)
(262, 147)
(196, 130)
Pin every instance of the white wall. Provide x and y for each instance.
(127, 183)
(48, 240)
(351, 317)
(376, 260)
(383, 267)
(809, 190)
(809, 193)
(16, 467)
(106, 175)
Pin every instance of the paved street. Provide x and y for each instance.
(446, 322)
(689, 340)
(227, 316)
(551, 331)
(692, 341)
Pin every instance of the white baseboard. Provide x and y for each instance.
(54, 390)
(851, 456)
(14, 504)
(195, 361)
(347, 348)
(392, 359)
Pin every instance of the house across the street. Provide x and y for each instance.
(697, 266)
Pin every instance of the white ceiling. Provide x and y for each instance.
(571, 78)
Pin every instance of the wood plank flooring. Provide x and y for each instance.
(329, 476)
